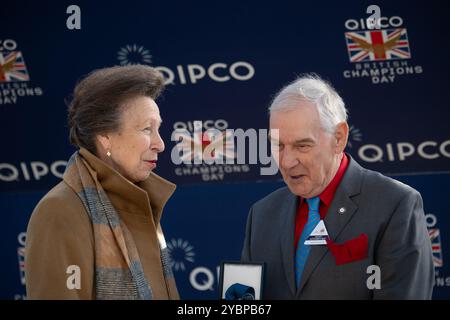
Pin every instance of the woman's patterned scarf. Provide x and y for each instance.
(118, 269)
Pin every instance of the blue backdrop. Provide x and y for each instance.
(223, 63)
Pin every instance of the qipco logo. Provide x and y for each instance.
(203, 279)
(21, 238)
(191, 126)
(8, 45)
(218, 72)
(383, 22)
(34, 170)
(430, 220)
(401, 151)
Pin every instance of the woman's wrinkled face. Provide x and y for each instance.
(135, 146)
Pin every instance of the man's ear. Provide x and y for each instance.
(341, 136)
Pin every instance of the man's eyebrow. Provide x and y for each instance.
(304, 140)
(298, 141)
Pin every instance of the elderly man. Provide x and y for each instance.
(337, 231)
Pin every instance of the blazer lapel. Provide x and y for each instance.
(288, 213)
(335, 221)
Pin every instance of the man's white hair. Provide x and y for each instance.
(312, 88)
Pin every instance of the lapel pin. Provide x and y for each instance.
(342, 210)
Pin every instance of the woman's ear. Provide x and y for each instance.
(103, 142)
(341, 136)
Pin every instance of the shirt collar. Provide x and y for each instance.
(327, 194)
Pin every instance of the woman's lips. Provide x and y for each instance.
(151, 163)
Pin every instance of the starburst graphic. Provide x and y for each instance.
(354, 135)
(134, 54)
(181, 252)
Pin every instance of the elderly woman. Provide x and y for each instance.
(97, 234)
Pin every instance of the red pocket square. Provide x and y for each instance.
(349, 251)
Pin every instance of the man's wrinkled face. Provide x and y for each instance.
(306, 152)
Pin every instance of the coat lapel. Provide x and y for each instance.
(335, 222)
(288, 212)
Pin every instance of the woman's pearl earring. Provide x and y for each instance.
(108, 154)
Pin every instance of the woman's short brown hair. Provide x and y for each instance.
(98, 98)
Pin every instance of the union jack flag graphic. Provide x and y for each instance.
(203, 147)
(378, 45)
(12, 67)
(435, 239)
(21, 257)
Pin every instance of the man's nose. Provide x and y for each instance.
(288, 160)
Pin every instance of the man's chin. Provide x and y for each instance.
(299, 191)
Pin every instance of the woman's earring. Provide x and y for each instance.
(108, 154)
